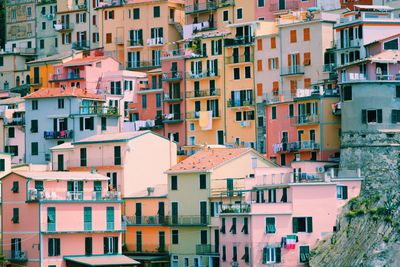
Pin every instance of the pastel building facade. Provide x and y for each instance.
(284, 215)
(16, 76)
(206, 178)
(76, 114)
(46, 36)
(125, 157)
(60, 219)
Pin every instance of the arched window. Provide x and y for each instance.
(28, 79)
(17, 81)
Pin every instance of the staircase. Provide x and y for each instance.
(179, 28)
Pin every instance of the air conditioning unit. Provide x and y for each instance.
(320, 169)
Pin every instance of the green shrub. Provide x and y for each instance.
(373, 211)
(388, 219)
(360, 212)
(350, 214)
(386, 239)
(375, 217)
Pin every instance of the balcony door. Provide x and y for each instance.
(174, 211)
(138, 213)
(161, 211)
(282, 4)
(203, 212)
(75, 190)
(60, 162)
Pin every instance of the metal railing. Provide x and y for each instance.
(171, 76)
(173, 117)
(355, 76)
(201, 7)
(143, 64)
(236, 208)
(306, 119)
(196, 114)
(292, 70)
(15, 255)
(205, 249)
(304, 145)
(63, 26)
(80, 45)
(65, 134)
(203, 93)
(135, 42)
(172, 97)
(36, 195)
(155, 41)
(239, 40)
(239, 59)
(329, 67)
(172, 53)
(98, 110)
(187, 220)
(144, 220)
(15, 121)
(204, 74)
(67, 76)
(239, 102)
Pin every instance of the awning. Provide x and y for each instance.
(162, 258)
(103, 260)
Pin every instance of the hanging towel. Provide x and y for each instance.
(203, 122)
(291, 242)
(209, 122)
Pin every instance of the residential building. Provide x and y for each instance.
(46, 37)
(206, 178)
(13, 115)
(147, 236)
(284, 214)
(75, 114)
(61, 219)
(136, 32)
(15, 73)
(133, 160)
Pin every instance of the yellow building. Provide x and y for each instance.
(136, 32)
(206, 178)
(147, 236)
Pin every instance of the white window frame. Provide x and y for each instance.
(265, 228)
(237, 12)
(339, 192)
(192, 127)
(272, 255)
(225, 12)
(263, 3)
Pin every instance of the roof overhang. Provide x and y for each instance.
(102, 260)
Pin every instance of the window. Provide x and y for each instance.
(86, 123)
(60, 103)
(43, 25)
(222, 230)
(191, 127)
(15, 187)
(246, 255)
(51, 219)
(371, 116)
(54, 247)
(109, 38)
(293, 36)
(87, 218)
(174, 182)
(94, 20)
(144, 101)
(270, 227)
(304, 254)
(216, 47)
(291, 110)
(234, 253)
(110, 218)
(261, 3)
(138, 240)
(239, 13)
(271, 255)
(233, 227)
(34, 126)
(103, 123)
(223, 253)
(341, 192)
(111, 245)
(236, 73)
(15, 218)
(347, 93)
(247, 72)
(136, 13)
(259, 44)
(225, 15)
(175, 237)
(307, 59)
(273, 113)
(306, 34)
(203, 237)
(34, 148)
(1, 61)
(391, 45)
(273, 42)
(156, 11)
(83, 159)
(109, 14)
(88, 246)
(302, 225)
(11, 132)
(203, 181)
(245, 228)
(117, 155)
(34, 104)
(272, 196)
(397, 91)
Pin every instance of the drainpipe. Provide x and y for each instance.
(40, 236)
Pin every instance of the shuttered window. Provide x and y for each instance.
(174, 182)
(259, 89)
(110, 218)
(275, 86)
(203, 181)
(259, 44)
(259, 65)
(87, 218)
(273, 42)
(307, 83)
(302, 225)
(342, 192)
(304, 254)
(109, 38)
(54, 247)
(270, 227)
(395, 116)
(117, 155)
(233, 227)
(306, 34)
(307, 59)
(293, 36)
(51, 219)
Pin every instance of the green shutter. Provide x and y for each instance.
(364, 116)
(295, 225)
(309, 225)
(87, 218)
(51, 219)
(70, 186)
(344, 192)
(80, 186)
(212, 214)
(106, 246)
(97, 186)
(2, 165)
(50, 245)
(379, 115)
(15, 188)
(277, 255)
(265, 255)
(81, 123)
(110, 218)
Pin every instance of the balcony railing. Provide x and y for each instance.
(203, 93)
(172, 76)
(306, 119)
(143, 64)
(304, 145)
(64, 27)
(236, 208)
(200, 75)
(187, 220)
(277, 5)
(202, 249)
(15, 255)
(239, 59)
(135, 43)
(67, 76)
(35, 195)
(292, 70)
(241, 40)
(356, 43)
(172, 97)
(172, 53)
(240, 102)
(355, 77)
(196, 115)
(148, 247)
(329, 67)
(144, 220)
(201, 7)
(80, 45)
(173, 117)
(102, 110)
(45, 2)
(65, 134)
(155, 41)
(15, 121)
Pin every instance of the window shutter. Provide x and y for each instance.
(2, 165)
(105, 245)
(364, 116)
(379, 111)
(77, 17)
(212, 47)
(307, 59)
(273, 42)
(306, 32)
(65, 124)
(80, 186)
(57, 245)
(259, 89)
(212, 204)
(259, 65)
(105, 15)
(394, 116)
(277, 62)
(91, 123)
(265, 251)
(298, 59)
(259, 44)
(84, 17)
(50, 247)
(344, 192)
(277, 255)
(309, 225)
(289, 60)
(70, 186)
(81, 123)
(269, 63)
(293, 36)
(295, 225)
(55, 125)
(115, 239)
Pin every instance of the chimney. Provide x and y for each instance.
(93, 170)
(150, 190)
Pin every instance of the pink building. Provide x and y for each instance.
(270, 9)
(61, 219)
(284, 214)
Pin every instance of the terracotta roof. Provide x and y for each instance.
(11, 100)
(387, 56)
(53, 175)
(66, 145)
(52, 58)
(111, 137)
(209, 159)
(159, 190)
(84, 61)
(61, 92)
(100, 260)
(383, 39)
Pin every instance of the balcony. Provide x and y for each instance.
(15, 255)
(155, 41)
(46, 2)
(135, 43)
(143, 64)
(35, 195)
(172, 76)
(80, 45)
(205, 249)
(240, 103)
(277, 5)
(150, 249)
(172, 54)
(239, 40)
(201, 7)
(239, 59)
(187, 220)
(67, 76)
(329, 67)
(202, 75)
(203, 93)
(144, 220)
(361, 77)
(173, 118)
(37, 82)
(195, 115)
(64, 27)
(172, 97)
(304, 145)
(98, 110)
(66, 134)
(281, 147)
(292, 70)
(147, 124)
(15, 122)
(236, 208)
(305, 119)
(356, 43)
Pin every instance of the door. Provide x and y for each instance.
(220, 137)
(138, 213)
(60, 162)
(203, 212)
(229, 186)
(282, 4)
(174, 207)
(247, 54)
(235, 55)
(161, 212)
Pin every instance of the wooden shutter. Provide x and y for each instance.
(307, 59)
(259, 65)
(309, 225)
(269, 63)
(277, 62)
(379, 111)
(295, 225)
(81, 123)
(289, 59)
(55, 125)
(344, 193)
(259, 89)
(77, 17)
(84, 17)
(298, 59)
(278, 255)
(91, 121)
(306, 34)
(293, 85)
(105, 239)
(105, 15)
(307, 83)
(259, 44)
(293, 37)
(273, 42)
(275, 86)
